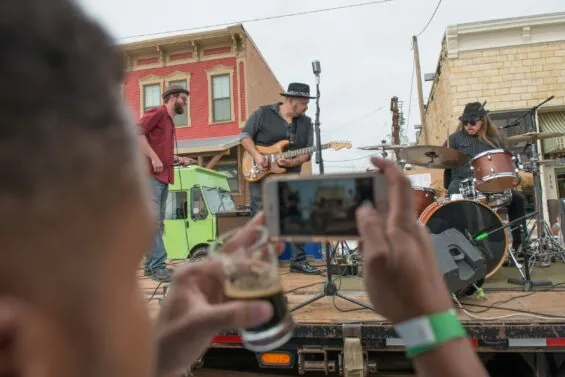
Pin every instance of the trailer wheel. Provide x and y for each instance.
(198, 254)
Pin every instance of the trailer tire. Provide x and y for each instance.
(198, 254)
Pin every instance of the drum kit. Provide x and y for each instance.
(477, 208)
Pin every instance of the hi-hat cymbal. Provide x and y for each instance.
(533, 136)
(382, 146)
(432, 156)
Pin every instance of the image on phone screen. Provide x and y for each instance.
(325, 207)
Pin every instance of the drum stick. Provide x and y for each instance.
(447, 137)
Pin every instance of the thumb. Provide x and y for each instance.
(372, 231)
(241, 314)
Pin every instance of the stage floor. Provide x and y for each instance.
(300, 287)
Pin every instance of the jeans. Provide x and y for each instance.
(297, 253)
(157, 256)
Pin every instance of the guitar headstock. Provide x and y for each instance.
(337, 145)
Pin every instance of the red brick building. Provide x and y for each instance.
(228, 79)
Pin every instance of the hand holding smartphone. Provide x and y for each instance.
(320, 208)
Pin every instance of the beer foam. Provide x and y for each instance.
(249, 292)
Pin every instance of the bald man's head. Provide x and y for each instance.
(74, 215)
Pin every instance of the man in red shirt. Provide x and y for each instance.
(157, 142)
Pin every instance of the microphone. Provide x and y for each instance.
(513, 124)
(316, 67)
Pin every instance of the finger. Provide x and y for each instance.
(401, 208)
(212, 269)
(249, 234)
(373, 235)
(240, 314)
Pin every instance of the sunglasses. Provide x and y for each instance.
(471, 122)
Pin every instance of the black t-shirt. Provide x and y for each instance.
(266, 127)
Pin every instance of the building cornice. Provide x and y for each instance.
(184, 38)
(544, 28)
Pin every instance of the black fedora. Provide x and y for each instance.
(296, 89)
(473, 110)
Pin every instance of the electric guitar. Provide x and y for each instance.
(254, 173)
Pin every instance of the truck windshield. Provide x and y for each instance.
(218, 199)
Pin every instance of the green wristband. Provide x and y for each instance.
(426, 333)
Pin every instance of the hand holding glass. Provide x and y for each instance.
(251, 271)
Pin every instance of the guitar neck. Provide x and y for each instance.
(298, 152)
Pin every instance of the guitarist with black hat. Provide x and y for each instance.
(270, 124)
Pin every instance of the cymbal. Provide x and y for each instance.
(433, 156)
(533, 136)
(382, 146)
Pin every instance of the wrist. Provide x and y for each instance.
(425, 333)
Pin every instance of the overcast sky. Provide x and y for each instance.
(365, 52)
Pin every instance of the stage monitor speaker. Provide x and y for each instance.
(460, 262)
(226, 221)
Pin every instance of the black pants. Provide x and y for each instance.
(297, 250)
(516, 209)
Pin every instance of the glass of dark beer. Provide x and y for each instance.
(250, 264)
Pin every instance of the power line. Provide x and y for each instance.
(430, 20)
(261, 19)
(411, 88)
(355, 120)
(352, 159)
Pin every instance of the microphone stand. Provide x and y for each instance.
(319, 159)
(538, 197)
(532, 111)
(330, 289)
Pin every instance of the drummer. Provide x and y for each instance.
(476, 134)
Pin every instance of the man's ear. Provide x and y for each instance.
(11, 317)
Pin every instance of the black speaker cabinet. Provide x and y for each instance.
(226, 221)
(461, 263)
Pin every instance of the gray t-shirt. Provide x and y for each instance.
(266, 127)
(470, 146)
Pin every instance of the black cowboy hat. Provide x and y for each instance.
(175, 89)
(296, 89)
(473, 110)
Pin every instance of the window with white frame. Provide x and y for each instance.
(221, 98)
(231, 172)
(181, 119)
(151, 96)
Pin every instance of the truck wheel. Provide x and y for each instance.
(198, 254)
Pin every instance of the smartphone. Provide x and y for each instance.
(320, 208)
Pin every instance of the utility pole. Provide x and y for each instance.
(420, 91)
(395, 125)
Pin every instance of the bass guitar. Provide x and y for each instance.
(254, 173)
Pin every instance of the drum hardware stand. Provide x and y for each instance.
(330, 289)
(527, 282)
(344, 261)
(483, 235)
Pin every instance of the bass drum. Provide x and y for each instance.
(474, 217)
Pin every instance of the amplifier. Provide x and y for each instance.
(460, 262)
(226, 221)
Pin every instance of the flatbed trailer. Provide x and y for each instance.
(516, 333)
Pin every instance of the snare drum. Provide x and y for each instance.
(475, 218)
(495, 171)
(422, 197)
(494, 200)
(468, 191)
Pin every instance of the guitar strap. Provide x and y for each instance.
(291, 131)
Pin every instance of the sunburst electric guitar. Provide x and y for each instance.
(254, 173)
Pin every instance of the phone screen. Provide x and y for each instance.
(322, 206)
